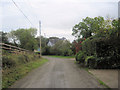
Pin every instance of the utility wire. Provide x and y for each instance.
(36, 16)
(22, 13)
(28, 3)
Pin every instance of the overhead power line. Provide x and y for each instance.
(36, 16)
(22, 13)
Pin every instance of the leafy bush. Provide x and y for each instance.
(61, 47)
(25, 58)
(101, 46)
(21, 59)
(80, 57)
(4, 52)
(76, 56)
(102, 40)
(70, 52)
(108, 62)
(102, 62)
(67, 52)
(46, 50)
(8, 62)
(106, 51)
(12, 60)
(90, 61)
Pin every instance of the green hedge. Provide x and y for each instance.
(108, 62)
(101, 46)
(101, 52)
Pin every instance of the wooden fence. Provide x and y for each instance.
(12, 49)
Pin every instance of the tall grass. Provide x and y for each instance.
(16, 66)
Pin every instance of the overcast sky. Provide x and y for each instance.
(57, 16)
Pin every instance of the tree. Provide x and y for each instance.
(53, 38)
(44, 41)
(3, 37)
(88, 26)
(62, 47)
(25, 38)
(74, 47)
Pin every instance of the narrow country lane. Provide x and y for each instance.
(58, 73)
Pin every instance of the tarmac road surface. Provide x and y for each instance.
(58, 73)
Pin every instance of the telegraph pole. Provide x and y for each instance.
(45, 37)
(40, 37)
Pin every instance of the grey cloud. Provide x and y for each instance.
(57, 15)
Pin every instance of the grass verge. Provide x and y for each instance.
(101, 82)
(61, 56)
(13, 74)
